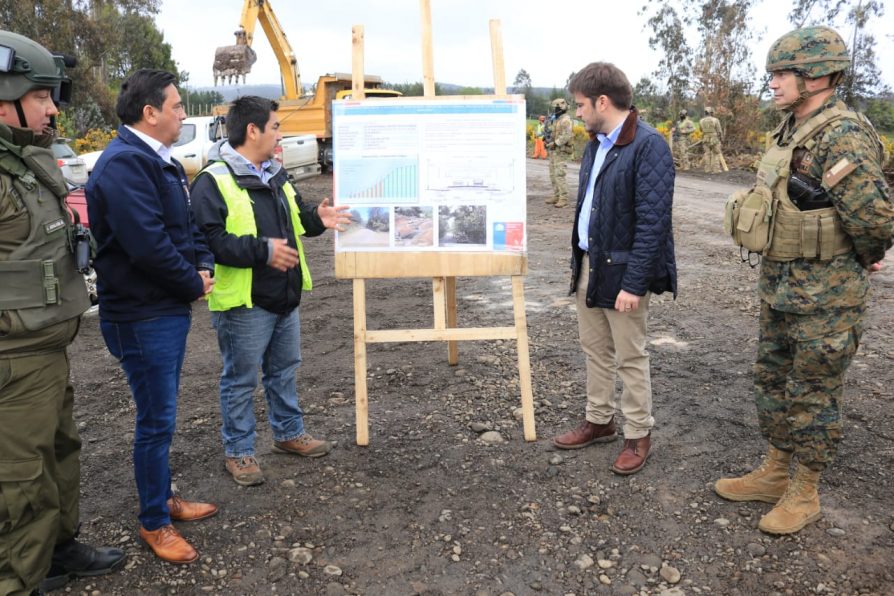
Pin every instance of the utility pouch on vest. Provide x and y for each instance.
(748, 218)
(807, 193)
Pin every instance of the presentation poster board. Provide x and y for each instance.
(431, 175)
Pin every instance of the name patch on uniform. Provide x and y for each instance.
(838, 172)
(54, 225)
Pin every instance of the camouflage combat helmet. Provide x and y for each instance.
(683, 113)
(709, 110)
(811, 52)
(27, 65)
(559, 104)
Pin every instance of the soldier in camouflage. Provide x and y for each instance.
(680, 134)
(561, 147)
(712, 135)
(814, 286)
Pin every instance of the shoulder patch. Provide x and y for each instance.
(838, 172)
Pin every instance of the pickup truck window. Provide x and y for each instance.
(187, 134)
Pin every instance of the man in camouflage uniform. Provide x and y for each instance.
(712, 134)
(41, 300)
(680, 134)
(561, 147)
(833, 222)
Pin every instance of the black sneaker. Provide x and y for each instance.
(73, 559)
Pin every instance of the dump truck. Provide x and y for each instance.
(299, 114)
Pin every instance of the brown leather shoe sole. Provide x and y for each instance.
(623, 472)
(187, 518)
(605, 439)
(279, 449)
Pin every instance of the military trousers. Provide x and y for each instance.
(712, 156)
(799, 379)
(558, 159)
(39, 467)
(681, 150)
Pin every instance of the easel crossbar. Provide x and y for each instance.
(461, 334)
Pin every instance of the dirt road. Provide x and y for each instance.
(428, 508)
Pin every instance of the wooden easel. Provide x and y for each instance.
(443, 268)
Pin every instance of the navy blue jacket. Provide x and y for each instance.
(630, 234)
(149, 249)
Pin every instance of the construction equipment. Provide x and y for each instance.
(298, 115)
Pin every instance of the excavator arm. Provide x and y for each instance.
(234, 61)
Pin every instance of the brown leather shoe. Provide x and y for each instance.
(633, 456)
(305, 445)
(168, 545)
(587, 434)
(188, 510)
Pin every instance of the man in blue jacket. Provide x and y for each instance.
(151, 263)
(622, 250)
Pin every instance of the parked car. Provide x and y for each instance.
(90, 158)
(73, 167)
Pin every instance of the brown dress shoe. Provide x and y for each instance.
(587, 434)
(168, 545)
(633, 456)
(181, 510)
(304, 445)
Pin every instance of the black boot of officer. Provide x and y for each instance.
(73, 559)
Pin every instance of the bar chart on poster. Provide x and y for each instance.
(431, 175)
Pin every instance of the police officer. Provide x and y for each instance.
(41, 299)
(680, 134)
(712, 135)
(560, 147)
(832, 225)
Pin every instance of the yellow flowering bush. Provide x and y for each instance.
(95, 140)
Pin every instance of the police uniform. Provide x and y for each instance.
(831, 219)
(561, 149)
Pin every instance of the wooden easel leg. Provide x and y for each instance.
(360, 392)
(452, 346)
(524, 362)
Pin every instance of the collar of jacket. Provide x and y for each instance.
(628, 130)
(22, 137)
(222, 151)
(136, 142)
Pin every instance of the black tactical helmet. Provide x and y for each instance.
(27, 65)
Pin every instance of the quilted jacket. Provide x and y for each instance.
(631, 237)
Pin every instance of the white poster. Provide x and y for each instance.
(431, 175)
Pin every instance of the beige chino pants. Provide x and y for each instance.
(616, 342)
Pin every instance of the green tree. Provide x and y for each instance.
(675, 66)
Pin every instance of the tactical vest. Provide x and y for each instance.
(232, 285)
(41, 285)
(709, 126)
(766, 221)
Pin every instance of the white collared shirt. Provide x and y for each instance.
(154, 144)
(606, 142)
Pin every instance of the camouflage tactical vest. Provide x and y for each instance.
(765, 220)
(41, 285)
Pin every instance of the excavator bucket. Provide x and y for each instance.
(231, 62)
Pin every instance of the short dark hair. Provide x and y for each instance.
(249, 109)
(144, 87)
(603, 78)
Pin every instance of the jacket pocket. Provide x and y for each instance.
(19, 492)
(610, 272)
(748, 218)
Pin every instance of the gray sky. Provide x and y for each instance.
(549, 45)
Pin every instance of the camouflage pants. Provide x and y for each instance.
(712, 155)
(558, 160)
(799, 377)
(681, 150)
(39, 467)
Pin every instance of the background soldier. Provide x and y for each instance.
(833, 223)
(680, 135)
(539, 132)
(561, 147)
(39, 443)
(712, 134)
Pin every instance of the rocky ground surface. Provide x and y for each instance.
(448, 498)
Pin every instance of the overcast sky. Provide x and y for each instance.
(548, 44)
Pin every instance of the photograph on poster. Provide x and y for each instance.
(414, 226)
(462, 224)
(370, 227)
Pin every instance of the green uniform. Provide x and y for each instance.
(681, 142)
(561, 149)
(812, 308)
(712, 134)
(41, 300)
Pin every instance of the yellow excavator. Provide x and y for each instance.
(299, 114)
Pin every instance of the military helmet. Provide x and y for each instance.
(709, 110)
(812, 52)
(27, 65)
(683, 113)
(560, 103)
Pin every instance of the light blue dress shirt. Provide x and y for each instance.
(606, 142)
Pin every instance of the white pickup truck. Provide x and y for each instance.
(298, 155)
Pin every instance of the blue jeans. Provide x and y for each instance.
(151, 354)
(248, 338)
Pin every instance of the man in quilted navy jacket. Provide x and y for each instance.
(622, 250)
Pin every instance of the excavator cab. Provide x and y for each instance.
(231, 62)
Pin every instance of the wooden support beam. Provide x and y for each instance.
(357, 69)
(428, 56)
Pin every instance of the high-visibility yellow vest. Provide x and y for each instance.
(232, 285)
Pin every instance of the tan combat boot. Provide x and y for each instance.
(561, 203)
(767, 483)
(550, 200)
(798, 507)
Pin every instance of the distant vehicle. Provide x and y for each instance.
(197, 136)
(90, 158)
(73, 167)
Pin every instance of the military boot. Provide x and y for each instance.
(798, 507)
(550, 200)
(73, 559)
(767, 483)
(563, 202)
